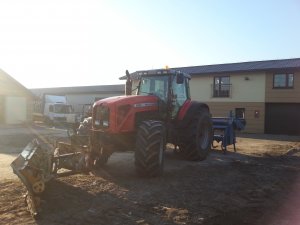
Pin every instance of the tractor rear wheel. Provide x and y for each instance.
(150, 147)
(197, 138)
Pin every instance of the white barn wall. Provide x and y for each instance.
(77, 100)
(15, 110)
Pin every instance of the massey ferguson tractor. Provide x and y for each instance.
(160, 112)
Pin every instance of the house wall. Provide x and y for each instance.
(282, 95)
(248, 94)
(255, 123)
(252, 90)
(282, 107)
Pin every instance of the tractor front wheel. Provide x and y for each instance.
(150, 147)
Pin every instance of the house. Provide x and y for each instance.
(265, 93)
(82, 95)
(15, 101)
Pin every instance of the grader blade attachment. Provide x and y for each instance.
(34, 167)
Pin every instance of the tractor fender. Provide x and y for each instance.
(188, 111)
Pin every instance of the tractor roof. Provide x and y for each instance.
(160, 72)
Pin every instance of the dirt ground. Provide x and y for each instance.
(259, 184)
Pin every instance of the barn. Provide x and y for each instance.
(15, 101)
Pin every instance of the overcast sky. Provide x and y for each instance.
(57, 43)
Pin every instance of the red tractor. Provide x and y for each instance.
(162, 112)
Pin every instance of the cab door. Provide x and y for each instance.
(179, 95)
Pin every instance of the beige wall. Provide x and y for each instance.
(248, 94)
(282, 95)
(254, 125)
(252, 90)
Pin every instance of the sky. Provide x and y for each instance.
(63, 43)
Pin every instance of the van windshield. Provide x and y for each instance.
(66, 109)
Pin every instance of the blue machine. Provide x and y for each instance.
(224, 130)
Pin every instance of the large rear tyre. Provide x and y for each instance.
(150, 147)
(197, 138)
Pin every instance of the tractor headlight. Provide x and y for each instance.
(105, 123)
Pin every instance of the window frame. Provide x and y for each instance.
(240, 110)
(286, 86)
(219, 90)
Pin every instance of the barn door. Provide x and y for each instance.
(15, 110)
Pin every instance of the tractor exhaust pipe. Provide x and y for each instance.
(128, 86)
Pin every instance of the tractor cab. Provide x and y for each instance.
(171, 87)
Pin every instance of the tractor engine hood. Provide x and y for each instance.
(118, 114)
(128, 99)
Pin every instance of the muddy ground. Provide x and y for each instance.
(259, 184)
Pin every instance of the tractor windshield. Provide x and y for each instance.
(154, 85)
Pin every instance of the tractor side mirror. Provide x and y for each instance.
(179, 78)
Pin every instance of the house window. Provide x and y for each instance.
(283, 80)
(240, 113)
(221, 86)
